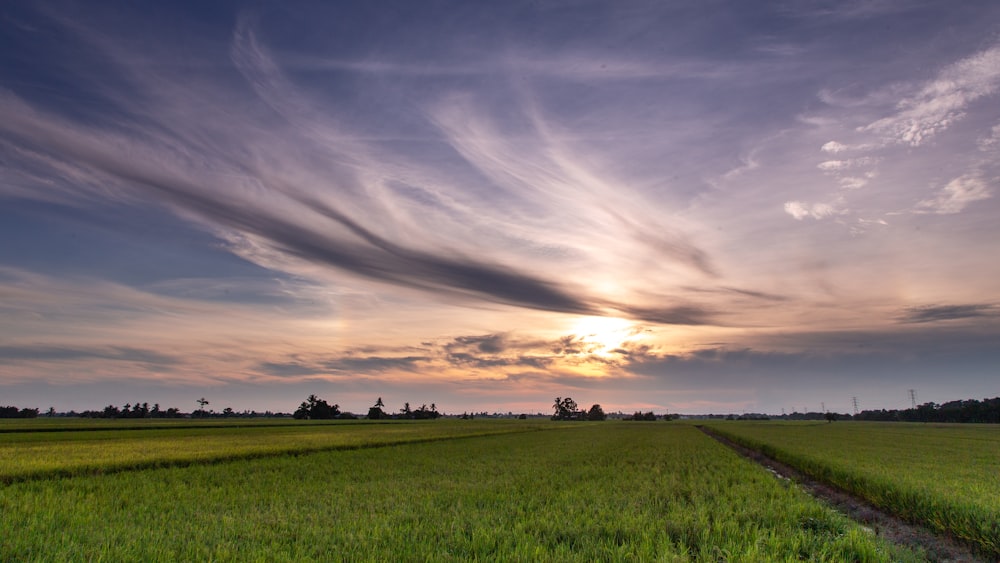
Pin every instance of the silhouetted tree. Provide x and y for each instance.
(376, 412)
(201, 410)
(317, 409)
(565, 409)
(596, 413)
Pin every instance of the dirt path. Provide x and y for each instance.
(882, 523)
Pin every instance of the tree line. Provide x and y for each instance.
(14, 412)
(315, 408)
(968, 410)
(140, 410)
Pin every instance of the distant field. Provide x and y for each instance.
(572, 492)
(83, 447)
(946, 476)
(46, 424)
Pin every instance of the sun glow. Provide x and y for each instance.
(606, 334)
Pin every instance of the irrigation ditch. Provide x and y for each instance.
(880, 522)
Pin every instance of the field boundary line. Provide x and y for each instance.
(938, 547)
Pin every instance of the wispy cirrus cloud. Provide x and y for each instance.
(249, 185)
(583, 67)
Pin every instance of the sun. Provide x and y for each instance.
(606, 333)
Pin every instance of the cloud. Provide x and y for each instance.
(471, 361)
(48, 353)
(917, 112)
(939, 103)
(348, 364)
(990, 142)
(351, 365)
(800, 210)
(956, 196)
(287, 369)
(936, 313)
(549, 65)
(834, 147)
(832, 165)
(676, 315)
(841, 165)
(490, 343)
(497, 351)
(853, 182)
(848, 10)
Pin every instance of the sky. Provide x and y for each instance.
(677, 206)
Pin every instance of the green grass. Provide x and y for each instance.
(46, 424)
(32, 455)
(587, 492)
(944, 476)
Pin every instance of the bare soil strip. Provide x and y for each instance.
(882, 523)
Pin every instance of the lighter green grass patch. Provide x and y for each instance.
(943, 475)
(32, 455)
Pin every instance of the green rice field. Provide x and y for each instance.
(945, 476)
(86, 448)
(428, 491)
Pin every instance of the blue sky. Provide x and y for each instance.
(683, 206)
